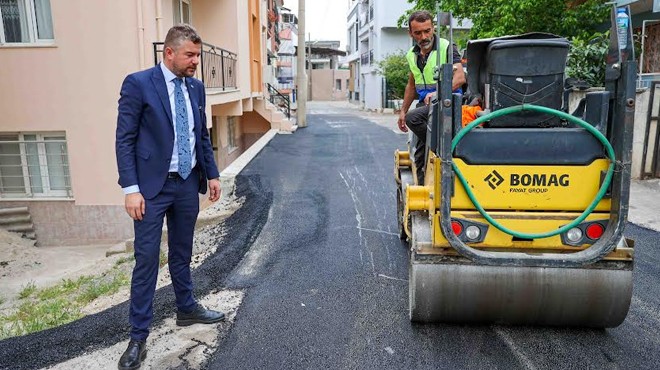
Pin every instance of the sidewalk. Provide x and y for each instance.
(644, 206)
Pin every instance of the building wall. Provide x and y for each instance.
(59, 223)
(387, 12)
(324, 84)
(73, 86)
(383, 36)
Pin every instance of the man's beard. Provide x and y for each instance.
(424, 44)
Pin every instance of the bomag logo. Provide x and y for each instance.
(536, 183)
(542, 180)
(494, 179)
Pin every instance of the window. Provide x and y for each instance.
(338, 84)
(231, 134)
(34, 165)
(181, 11)
(25, 21)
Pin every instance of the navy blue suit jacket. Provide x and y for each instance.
(145, 132)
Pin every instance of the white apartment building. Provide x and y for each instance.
(372, 35)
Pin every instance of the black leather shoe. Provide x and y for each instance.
(199, 315)
(134, 355)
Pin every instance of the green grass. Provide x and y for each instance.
(163, 259)
(2, 300)
(125, 259)
(53, 306)
(27, 290)
(106, 285)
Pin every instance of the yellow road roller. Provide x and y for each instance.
(521, 214)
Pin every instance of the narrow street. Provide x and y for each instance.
(314, 253)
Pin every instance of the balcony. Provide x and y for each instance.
(366, 16)
(367, 58)
(217, 66)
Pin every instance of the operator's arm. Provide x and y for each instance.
(459, 77)
(408, 97)
(409, 94)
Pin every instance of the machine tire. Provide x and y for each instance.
(399, 215)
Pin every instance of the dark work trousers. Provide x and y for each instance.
(179, 201)
(417, 120)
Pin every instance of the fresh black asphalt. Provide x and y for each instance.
(333, 293)
(326, 286)
(108, 327)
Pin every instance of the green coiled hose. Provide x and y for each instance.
(568, 117)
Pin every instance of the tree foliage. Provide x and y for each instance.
(394, 68)
(586, 61)
(492, 18)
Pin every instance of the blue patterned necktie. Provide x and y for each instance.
(182, 130)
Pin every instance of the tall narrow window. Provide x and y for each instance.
(231, 134)
(25, 21)
(11, 169)
(181, 11)
(44, 19)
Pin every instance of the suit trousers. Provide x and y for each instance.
(179, 202)
(417, 121)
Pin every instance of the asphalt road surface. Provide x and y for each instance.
(315, 250)
(327, 284)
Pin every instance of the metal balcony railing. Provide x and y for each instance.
(279, 100)
(367, 57)
(217, 67)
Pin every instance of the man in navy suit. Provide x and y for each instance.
(165, 159)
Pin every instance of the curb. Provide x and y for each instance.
(228, 175)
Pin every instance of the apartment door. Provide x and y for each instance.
(181, 11)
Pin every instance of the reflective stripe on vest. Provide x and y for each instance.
(424, 82)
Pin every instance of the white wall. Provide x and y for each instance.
(392, 41)
(373, 91)
(387, 12)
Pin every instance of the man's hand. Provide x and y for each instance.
(135, 206)
(429, 96)
(214, 190)
(402, 122)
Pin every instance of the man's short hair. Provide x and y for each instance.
(420, 16)
(180, 33)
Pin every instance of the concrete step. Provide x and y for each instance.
(288, 126)
(13, 211)
(20, 228)
(13, 219)
(18, 220)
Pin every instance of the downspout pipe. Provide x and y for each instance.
(159, 20)
(140, 23)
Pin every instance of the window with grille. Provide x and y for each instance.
(25, 21)
(34, 165)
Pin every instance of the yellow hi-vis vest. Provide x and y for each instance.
(424, 82)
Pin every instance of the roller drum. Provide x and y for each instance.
(469, 293)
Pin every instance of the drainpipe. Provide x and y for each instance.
(159, 20)
(140, 22)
